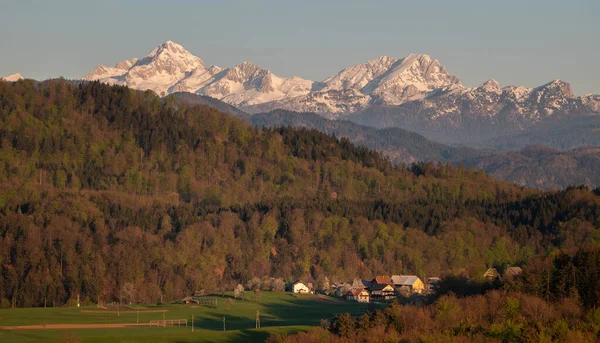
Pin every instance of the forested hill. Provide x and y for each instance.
(534, 166)
(105, 188)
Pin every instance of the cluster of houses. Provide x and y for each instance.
(382, 287)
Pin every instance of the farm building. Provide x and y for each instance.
(299, 287)
(491, 274)
(360, 295)
(382, 291)
(410, 282)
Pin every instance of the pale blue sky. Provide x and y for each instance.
(527, 42)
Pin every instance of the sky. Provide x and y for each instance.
(526, 42)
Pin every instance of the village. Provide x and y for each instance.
(385, 287)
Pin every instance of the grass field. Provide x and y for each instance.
(279, 313)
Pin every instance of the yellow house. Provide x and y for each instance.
(412, 282)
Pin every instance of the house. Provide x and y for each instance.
(382, 291)
(360, 295)
(299, 287)
(367, 283)
(512, 271)
(411, 283)
(189, 300)
(382, 280)
(491, 274)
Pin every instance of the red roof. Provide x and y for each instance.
(355, 292)
(383, 279)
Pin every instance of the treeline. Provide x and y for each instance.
(108, 192)
(497, 316)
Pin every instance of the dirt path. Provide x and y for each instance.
(71, 326)
(127, 311)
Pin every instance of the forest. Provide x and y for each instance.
(111, 193)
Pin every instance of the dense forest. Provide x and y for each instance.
(110, 193)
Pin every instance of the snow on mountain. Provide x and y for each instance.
(170, 68)
(247, 84)
(385, 80)
(358, 76)
(12, 78)
(158, 71)
(410, 78)
(416, 87)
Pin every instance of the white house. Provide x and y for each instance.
(300, 287)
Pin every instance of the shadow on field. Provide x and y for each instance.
(309, 310)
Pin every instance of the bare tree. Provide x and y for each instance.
(278, 285)
(129, 292)
(254, 283)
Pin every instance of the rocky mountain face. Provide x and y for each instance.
(415, 93)
(460, 115)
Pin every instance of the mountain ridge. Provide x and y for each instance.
(415, 93)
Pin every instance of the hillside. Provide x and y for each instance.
(104, 188)
(400, 146)
(538, 167)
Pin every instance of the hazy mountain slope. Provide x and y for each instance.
(538, 167)
(224, 107)
(542, 167)
(561, 134)
(399, 145)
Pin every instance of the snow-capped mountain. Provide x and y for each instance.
(456, 114)
(12, 77)
(170, 68)
(386, 80)
(415, 93)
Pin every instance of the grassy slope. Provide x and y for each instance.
(280, 312)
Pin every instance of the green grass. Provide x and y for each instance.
(279, 313)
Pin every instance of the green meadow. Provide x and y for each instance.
(279, 313)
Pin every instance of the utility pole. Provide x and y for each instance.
(137, 313)
(223, 323)
(44, 302)
(257, 319)
(192, 323)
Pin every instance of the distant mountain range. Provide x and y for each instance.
(415, 93)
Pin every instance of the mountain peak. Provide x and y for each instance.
(382, 60)
(490, 86)
(13, 77)
(557, 86)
